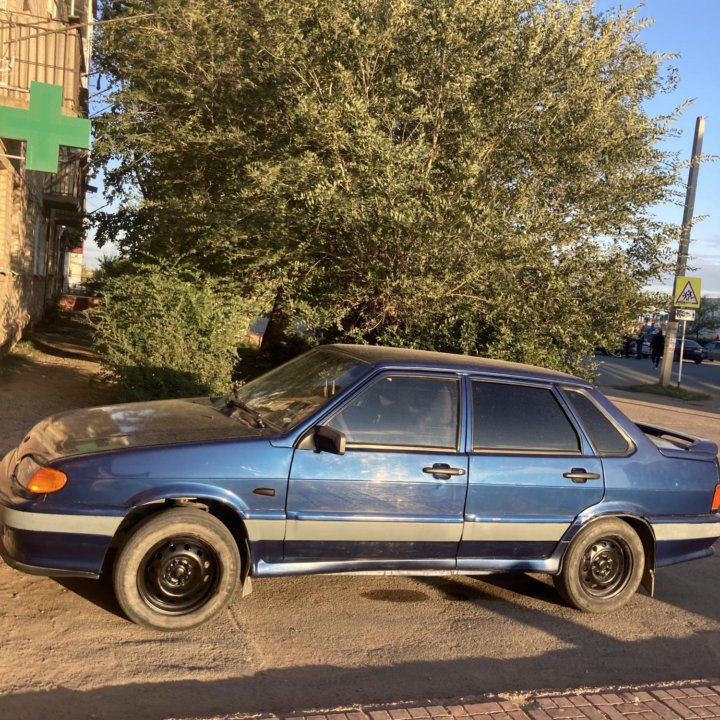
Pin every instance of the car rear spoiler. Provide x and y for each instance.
(680, 445)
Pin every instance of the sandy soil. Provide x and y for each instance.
(34, 385)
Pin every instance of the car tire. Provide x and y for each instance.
(697, 362)
(602, 568)
(178, 569)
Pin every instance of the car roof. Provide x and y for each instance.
(409, 358)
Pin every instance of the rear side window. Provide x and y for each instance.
(520, 418)
(606, 438)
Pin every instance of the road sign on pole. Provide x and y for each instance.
(687, 292)
(684, 247)
(683, 314)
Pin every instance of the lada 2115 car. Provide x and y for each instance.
(358, 459)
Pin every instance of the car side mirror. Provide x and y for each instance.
(328, 439)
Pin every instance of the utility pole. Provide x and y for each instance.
(683, 250)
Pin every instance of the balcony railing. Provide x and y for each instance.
(66, 187)
(48, 51)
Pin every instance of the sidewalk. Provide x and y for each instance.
(65, 335)
(685, 701)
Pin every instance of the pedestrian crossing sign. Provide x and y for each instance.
(687, 292)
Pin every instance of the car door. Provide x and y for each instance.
(713, 349)
(531, 472)
(396, 496)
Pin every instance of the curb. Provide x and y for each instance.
(685, 701)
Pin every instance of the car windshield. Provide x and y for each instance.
(289, 394)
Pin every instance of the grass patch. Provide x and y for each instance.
(668, 391)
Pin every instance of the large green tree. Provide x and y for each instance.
(454, 174)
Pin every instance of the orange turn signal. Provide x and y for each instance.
(716, 499)
(47, 480)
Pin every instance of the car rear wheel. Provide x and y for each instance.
(178, 569)
(603, 567)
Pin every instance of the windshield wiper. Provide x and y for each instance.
(235, 404)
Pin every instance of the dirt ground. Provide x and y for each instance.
(34, 385)
(66, 652)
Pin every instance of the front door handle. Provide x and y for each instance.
(580, 475)
(442, 471)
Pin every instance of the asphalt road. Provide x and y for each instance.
(302, 643)
(619, 372)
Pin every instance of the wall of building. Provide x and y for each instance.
(36, 208)
(27, 249)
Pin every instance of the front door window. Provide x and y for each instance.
(403, 411)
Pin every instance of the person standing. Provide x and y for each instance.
(657, 346)
(639, 342)
(627, 344)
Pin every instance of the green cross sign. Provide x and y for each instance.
(44, 127)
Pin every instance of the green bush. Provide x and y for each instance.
(165, 330)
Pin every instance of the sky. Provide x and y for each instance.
(690, 28)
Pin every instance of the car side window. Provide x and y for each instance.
(403, 410)
(606, 438)
(520, 418)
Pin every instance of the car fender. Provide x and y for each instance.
(180, 490)
(634, 515)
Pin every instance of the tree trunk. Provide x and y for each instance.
(275, 337)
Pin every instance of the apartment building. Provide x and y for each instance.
(40, 212)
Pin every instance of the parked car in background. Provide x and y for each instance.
(713, 350)
(359, 459)
(645, 349)
(691, 351)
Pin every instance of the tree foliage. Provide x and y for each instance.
(460, 175)
(707, 318)
(164, 330)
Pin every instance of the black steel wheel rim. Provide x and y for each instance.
(179, 575)
(606, 566)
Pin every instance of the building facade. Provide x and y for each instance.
(40, 213)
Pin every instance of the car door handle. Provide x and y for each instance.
(442, 471)
(580, 475)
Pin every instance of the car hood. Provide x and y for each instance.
(141, 424)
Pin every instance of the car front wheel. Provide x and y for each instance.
(178, 569)
(603, 567)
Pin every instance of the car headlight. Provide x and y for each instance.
(37, 478)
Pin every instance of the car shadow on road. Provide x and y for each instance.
(98, 592)
(303, 688)
(591, 653)
(474, 588)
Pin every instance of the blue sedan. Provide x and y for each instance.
(358, 459)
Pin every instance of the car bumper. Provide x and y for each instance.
(41, 540)
(54, 545)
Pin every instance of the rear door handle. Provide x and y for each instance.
(442, 471)
(581, 475)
